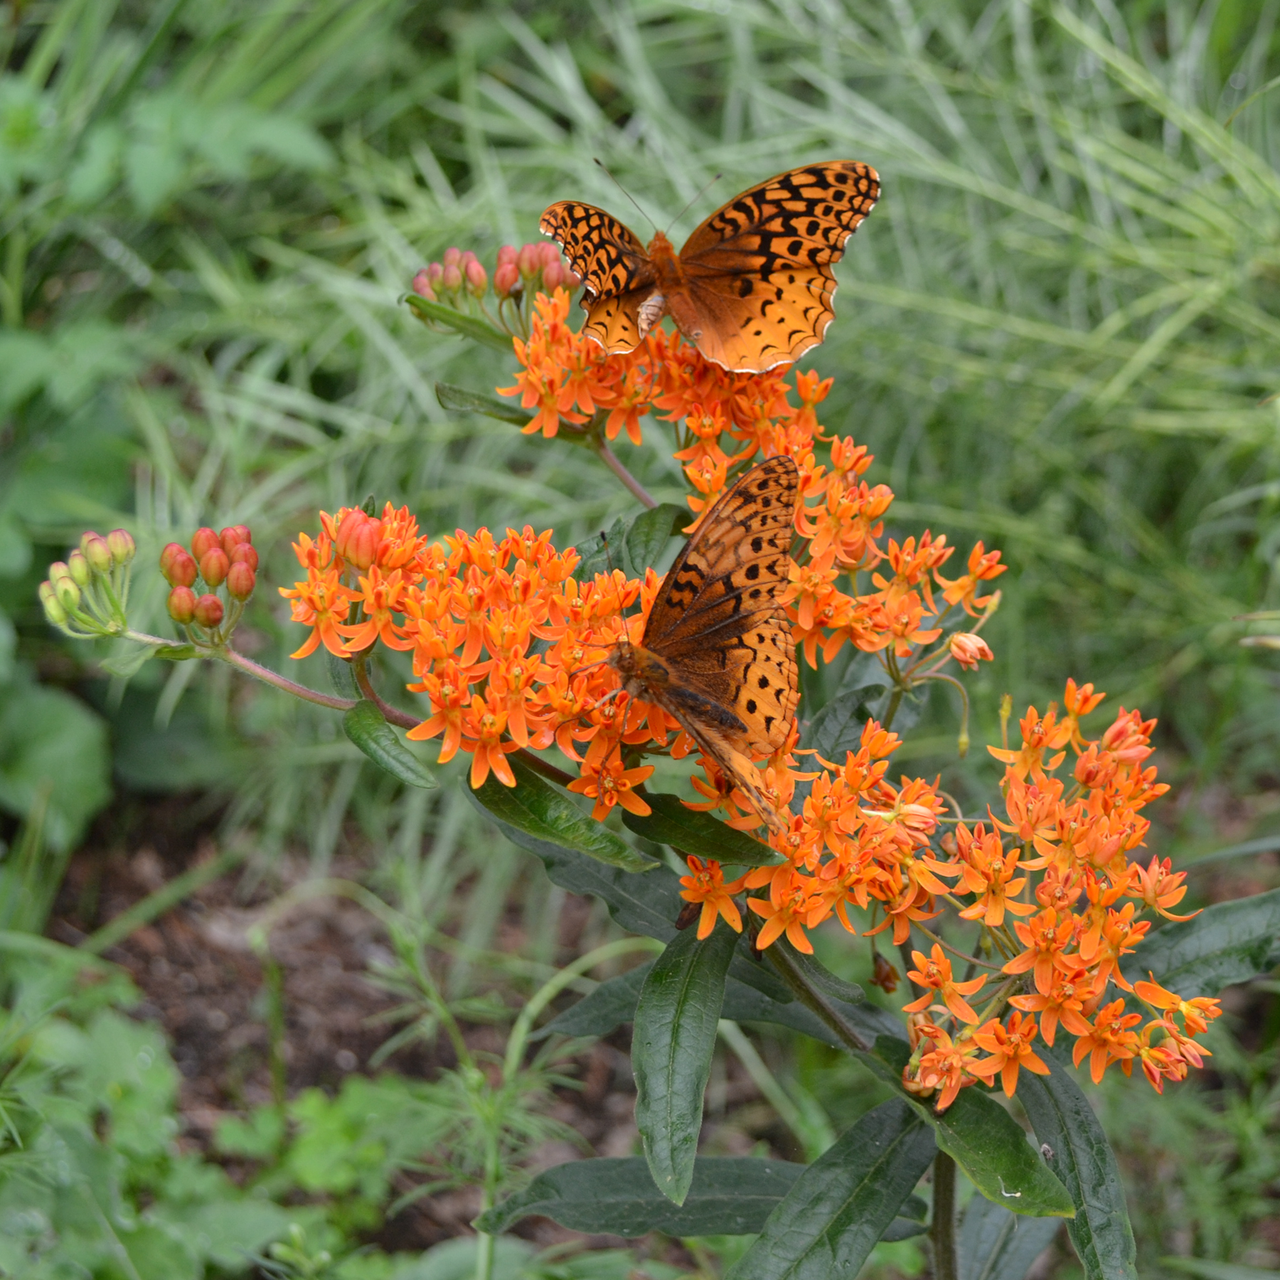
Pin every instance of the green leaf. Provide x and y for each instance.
(633, 543)
(823, 980)
(468, 326)
(835, 730)
(341, 677)
(463, 400)
(611, 1004)
(128, 659)
(1226, 943)
(177, 652)
(985, 1141)
(1218, 1270)
(727, 1196)
(841, 1204)
(366, 726)
(674, 1037)
(1079, 1153)
(995, 1244)
(539, 812)
(692, 831)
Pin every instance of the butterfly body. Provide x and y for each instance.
(753, 285)
(717, 652)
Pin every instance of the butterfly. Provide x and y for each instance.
(752, 287)
(717, 651)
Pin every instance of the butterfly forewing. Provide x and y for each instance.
(602, 250)
(716, 622)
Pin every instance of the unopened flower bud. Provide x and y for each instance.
(182, 605)
(240, 581)
(214, 565)
(64, 587)
(97, 552)
(435, 274)
(201, 541)
(506, 279)
(243, 553)
(529, 260)
(178, 565)
(123, 547)
(81, 573)
(552, 276)
(451, 281)
(550, 252)
(452, 256)
(508, 253)
(52, 609)
(233, 535)
(358, 538)
(422, 286)
(208, 611)
(477, 278)
(968, 650)
(572, 280)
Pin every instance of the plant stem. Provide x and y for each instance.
(942, 1230)
(813, 1000)
(267, 676)
(614, 463)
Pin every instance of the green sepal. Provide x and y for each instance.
(367, 727)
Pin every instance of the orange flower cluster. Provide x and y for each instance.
(1053, 885)
(511, 651)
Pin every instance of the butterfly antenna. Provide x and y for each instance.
(705, 188)
(626, 193)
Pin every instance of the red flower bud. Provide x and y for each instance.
(572, 280)
(214, 565)
(477, 278)
(529, 260)
(435, 273)
(452, 256)
(233, 535)
(422, 286)
(122, 546)
(451, 281)
(97, 552)
(506, 279)
(358, 538)
(240, 581)
(552, 276)
(508, 253)
(182, 604)
(201, 541)
(178, 567)
(549, 252)
(243, 553)
(208, 611)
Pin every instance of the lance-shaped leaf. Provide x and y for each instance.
(647, 904)
(692, 831)
(464, 400)
(540, 813)
(367, 727)
(986, 1142)
(1228, 942)
(611, 1004)
(727, 1196)
(844, 1202)
(460, 322)
(633, 543)
(995, 1244)
(1074, 1146)
(671, 1048)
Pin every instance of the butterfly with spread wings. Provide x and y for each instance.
(753, 286)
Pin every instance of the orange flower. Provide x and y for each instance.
(943, 1062)
(606, 780)
(934, 972)
(1010, 1049)
(706, 884)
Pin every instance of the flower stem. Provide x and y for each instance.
(812, 999)
(942, 1229)
(267, 676)
(614, 463)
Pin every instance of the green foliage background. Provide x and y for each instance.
(1058, 333)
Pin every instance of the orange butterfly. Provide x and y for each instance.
(717, 652)
(752, 286)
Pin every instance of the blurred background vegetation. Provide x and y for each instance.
(1059, 333)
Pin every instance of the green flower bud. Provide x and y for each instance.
(97, 552)
(67, 592)
(79, 568)
(122, 546)
(52, 609)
